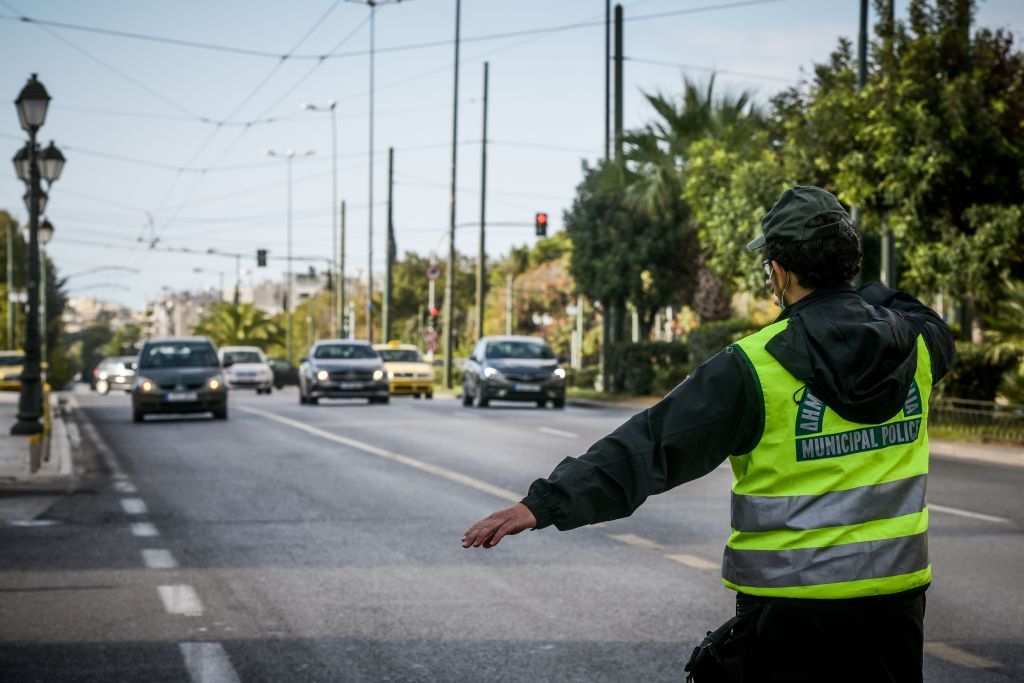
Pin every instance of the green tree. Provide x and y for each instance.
(228, 324)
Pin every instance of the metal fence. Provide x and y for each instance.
(979, 419)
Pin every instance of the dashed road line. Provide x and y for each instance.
(158, 558)
(436, 470)
(967, 513)
(957, 656)
(180, 599)
(144, 530)
(635, 541)
(134, 506)
(208, 663)
(558, 432)
(125, 487)
(693, 561)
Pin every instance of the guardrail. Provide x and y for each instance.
(984, 420)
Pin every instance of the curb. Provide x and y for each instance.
(56, 455)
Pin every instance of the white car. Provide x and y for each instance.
(246, 367)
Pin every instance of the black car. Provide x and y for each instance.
(342, 368)
(285, 374)
(512, 369)
(179, 375)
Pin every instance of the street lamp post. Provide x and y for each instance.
(33, 167)
(45, 235)
(339, 294)
(289, 157)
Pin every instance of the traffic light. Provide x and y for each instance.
(433, 317)
(261, 258)
(540, 222)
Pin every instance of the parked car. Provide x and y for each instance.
(285, 374)
(407, 372)
(115, 372)
(179, 375)
(246, 367)
(12, 364)
(512, 368)
(342, 368)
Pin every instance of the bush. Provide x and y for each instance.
(456, 376)
(644, 367)
(975, 374)
(584, 378)
(710, 338)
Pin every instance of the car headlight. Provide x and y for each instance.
(146, 385)
(559, 373)
(323, 375)
(491, 372)
(103, 375)
(214, 383)
(378, 375)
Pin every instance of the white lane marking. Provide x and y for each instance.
(634, 540)
(144, 530)
(105, 451)
(957, 656)
(125, 487)
(208, 663)
(180, 599)
(967, 513)
(134, 506)
(158, 558)
(436, 470)
(693, 561)
(558, 432)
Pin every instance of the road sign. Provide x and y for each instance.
(433, 272)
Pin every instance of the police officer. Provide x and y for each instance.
(823, 415)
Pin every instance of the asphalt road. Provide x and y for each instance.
(321, 543)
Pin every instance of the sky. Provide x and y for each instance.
(166, 142)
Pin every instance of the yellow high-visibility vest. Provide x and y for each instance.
(823, 507)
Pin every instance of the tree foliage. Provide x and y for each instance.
(228, 324)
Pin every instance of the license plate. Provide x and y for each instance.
(182, 396)
(527, 387)
(351, 385)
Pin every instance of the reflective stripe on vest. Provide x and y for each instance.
(823, 507)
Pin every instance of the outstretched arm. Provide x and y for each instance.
(717, 411)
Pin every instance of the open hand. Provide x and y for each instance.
(489, 531)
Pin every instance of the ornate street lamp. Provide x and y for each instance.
(33, 167)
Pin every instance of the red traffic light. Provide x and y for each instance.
(434, 312)
(540, 224)
(542, 218)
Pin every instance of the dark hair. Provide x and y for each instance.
(824, 261)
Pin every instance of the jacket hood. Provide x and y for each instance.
(857, 358)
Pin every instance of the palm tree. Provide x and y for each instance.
(657, 158)
(229, 324)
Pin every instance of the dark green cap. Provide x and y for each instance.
(796, 207)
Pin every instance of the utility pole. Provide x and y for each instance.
(449, 276)
(862, 78)
(618, 81)
(10, 286)
(341, 273)
(607, 76)
(508, 303)
(369, 259)
(238, 279)
(385, 328)
(481, 255)
(888, 256)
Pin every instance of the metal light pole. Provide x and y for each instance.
(449, 276)
(289, 156)
(33, 167)
(10, 287)
(339, 296)
(481, 256)
(45, 235)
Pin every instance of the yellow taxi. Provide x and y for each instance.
(408, 373)
(12, 364)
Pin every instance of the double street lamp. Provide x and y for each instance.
(33, 166)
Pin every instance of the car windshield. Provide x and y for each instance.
(241, 357)
(344, 351)
(401, 355)
(519, 349)
(178, 355)
(11, 360)
(128, 362)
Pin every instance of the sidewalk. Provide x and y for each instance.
(1010, 456)
(37, 464)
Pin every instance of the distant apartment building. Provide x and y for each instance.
(85, 311)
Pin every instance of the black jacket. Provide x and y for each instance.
(855, 349)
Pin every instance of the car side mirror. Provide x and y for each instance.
(228, 363)
(303, 359)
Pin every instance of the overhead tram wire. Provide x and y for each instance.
(395, 48)
(712, 70)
